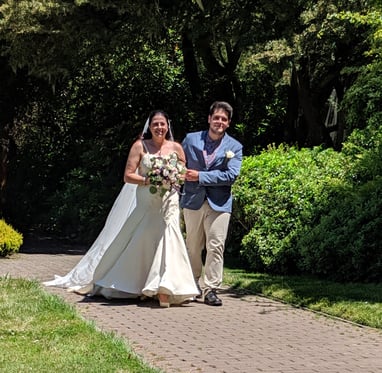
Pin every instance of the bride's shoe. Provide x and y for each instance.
(164, 300)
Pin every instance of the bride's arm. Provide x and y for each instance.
(180, 152)
(132, 163)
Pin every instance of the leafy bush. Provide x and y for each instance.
(364, 150)
(314, 211)
(277, 197)
(81, 203)
(362, 101)
(346, 244)
(10, 239)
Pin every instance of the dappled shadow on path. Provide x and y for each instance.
(48, 245)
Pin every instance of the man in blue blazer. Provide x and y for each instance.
(213, 163)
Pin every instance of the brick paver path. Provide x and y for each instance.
(248, 334)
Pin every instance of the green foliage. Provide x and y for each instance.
(118, 89)
(276, 197)
(79, 207)
(364, 150)
(346, 242)
(10, 239)
(106, 107)
(314, 211)
(45, 334)
(261, 119)
(332, 46)
(72, 146)
(363, 114)
(47, 37)
(41, 23)
(362, 101)
(118, 60)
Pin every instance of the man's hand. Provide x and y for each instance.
(192, 175)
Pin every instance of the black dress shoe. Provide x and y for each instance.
(212, 299)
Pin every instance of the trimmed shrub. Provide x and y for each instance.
(10, 239)
(346, 243)
(278, 196)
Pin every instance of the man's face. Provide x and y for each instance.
(218, 122)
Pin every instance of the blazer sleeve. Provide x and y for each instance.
(225, 176)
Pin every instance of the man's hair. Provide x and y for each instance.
(222, 105)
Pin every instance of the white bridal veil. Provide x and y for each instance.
(80, 278)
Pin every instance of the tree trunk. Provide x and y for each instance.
(305, 121)
(190, 67)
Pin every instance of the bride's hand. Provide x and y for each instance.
(182, 177)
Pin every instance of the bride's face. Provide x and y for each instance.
(159, 126)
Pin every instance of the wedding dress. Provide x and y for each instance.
(140, 251)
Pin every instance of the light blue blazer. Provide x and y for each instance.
(215, 180)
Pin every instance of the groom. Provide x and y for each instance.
(213, 164)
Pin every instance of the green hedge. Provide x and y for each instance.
(312, 211)
(277, 196)
(346, 243)
(10, 239)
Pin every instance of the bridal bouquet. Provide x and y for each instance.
(165, 174)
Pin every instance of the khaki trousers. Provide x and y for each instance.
(206, 229)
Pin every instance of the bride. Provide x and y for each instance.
(140, 251)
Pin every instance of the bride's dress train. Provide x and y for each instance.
(140, 251)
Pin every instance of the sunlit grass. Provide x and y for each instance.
(39, 332)
(359, 303)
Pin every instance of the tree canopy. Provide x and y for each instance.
(78, 78)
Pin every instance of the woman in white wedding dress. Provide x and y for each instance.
(140, 250)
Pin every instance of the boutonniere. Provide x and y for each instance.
(229, 154)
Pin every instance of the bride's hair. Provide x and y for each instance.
(146, 134)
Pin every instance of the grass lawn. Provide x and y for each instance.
(359, 303)
(39, 332)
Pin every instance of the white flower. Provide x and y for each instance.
(229, 154)
(165, 173)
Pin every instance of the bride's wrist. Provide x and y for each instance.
(144, 180)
